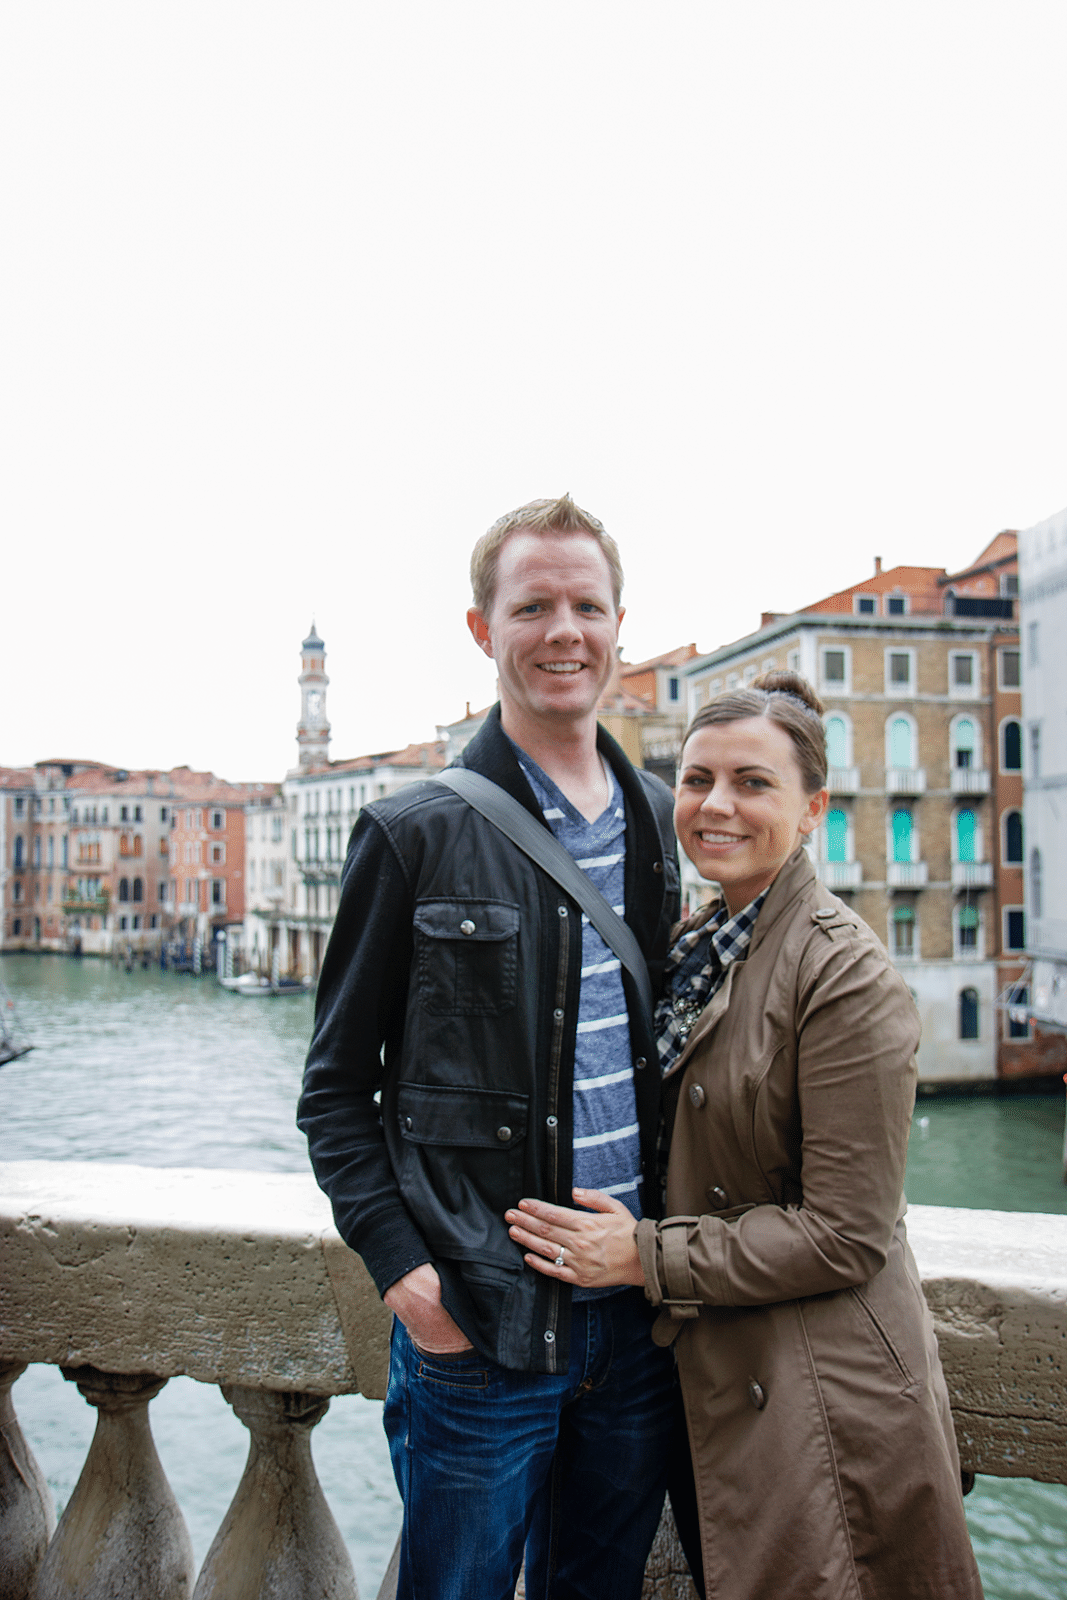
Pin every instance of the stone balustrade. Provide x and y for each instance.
(127, 1276)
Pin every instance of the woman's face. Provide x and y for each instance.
(742, 807)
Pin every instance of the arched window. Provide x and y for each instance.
(901, 834)
(1035, 883)
(900, 743)
(1013, 839)
(124, 889)
(19, 847)
(836, 745)
(963, 743)
(836, 836)
(968, 1013)
(968, 926)
(138, 888)
(1012, 747)
(966, 831)
(37, 849)
(903, 931)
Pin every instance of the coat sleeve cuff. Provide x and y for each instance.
(648, 1249)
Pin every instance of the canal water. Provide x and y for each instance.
(168, 1070)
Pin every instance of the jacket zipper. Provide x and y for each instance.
(559, 1017)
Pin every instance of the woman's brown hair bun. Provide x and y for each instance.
(780, 682)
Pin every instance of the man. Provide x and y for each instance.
(512, 1058)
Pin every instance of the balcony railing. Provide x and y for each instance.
(843, 780)
(907, 874)
(969, 780)
(972, 874)
(840, 874)
(238, 1279)
(905, 780)
(87, 905)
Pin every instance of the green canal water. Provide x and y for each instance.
(166, 1070)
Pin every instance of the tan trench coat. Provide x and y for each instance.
(825, 1461)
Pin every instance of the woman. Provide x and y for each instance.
(824, 1458)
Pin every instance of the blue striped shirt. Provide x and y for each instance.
(607, 1151)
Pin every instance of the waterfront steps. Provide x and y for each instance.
(126, 1276)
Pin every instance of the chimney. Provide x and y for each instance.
(877, 566)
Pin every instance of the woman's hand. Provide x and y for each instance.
(597, 1245)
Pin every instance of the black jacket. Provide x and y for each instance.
(478, 1029)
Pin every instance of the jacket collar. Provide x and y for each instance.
(795, 877)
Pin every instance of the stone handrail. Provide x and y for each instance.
(127, 1276)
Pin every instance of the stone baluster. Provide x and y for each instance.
(278, 1540)
(27, 1513)
(122, 1536)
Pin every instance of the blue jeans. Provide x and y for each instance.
(571, 1467)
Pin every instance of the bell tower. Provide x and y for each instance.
(313, 730)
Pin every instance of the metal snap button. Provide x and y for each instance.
(503, 1134)
(718, 1197)
(408, 1124)
(551, 1122)
(466, 926)
(550, 1337)
(563, 911)
(756, 1394)
(558, 1013)
(639, 1063)
(657, 866)
(696, 1095)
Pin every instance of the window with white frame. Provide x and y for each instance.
(750, 672)
(1009, 668)
(902, 932)
(968, 928)
(732, 680)
(966, 839)
(768, 663)
(838, 740)
(1011, 844)
(218, 853)
(969, 1012)
(896, 605)
(902, 838)
(963, 737)
(963, 673)
(837, 835)
(899, 670)
(793, 660)
(1011, 745)
(218, 819)
(835, 669)
(901, 740)
(865, 605)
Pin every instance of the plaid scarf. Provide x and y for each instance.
(695, 970)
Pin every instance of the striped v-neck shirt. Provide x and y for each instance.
(607, 1151)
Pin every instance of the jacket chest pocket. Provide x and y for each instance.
(467, 956)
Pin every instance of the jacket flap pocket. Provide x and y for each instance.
(482, 1119)
(467, 919)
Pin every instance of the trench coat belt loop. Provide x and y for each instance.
(681, 1296)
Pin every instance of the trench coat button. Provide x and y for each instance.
(558, 1013)
(640, 1063)
(756, 1394)
(562, 911)
(551, 1122)
(503, 1134)
(697, 1095)
(718, 1197)
(466, 926)
(824, 915)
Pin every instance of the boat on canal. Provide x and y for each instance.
(254, 986)
(13, 1040)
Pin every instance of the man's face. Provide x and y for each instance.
(552, 628)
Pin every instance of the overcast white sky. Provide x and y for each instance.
(299, 298)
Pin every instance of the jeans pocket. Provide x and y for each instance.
(456, 1369)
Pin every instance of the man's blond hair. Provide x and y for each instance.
(540, 516)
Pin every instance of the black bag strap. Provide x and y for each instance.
(542, 846)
